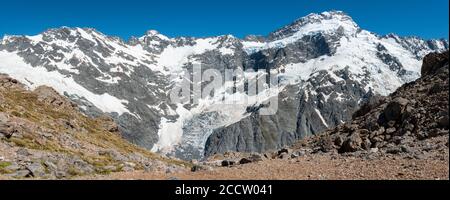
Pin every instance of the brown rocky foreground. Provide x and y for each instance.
(324, 166)
(311, 167)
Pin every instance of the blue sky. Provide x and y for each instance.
(201, 18)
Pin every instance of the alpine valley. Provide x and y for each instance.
(326, 64)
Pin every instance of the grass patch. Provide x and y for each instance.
(21, 142)
(72, 171)
(15, 113)
(3, 165)
(51, 146)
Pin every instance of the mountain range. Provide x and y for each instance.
(327, 67)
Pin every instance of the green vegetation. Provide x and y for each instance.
(3, 166)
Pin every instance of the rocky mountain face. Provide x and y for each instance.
(325, 64)
(44, 135)
(411, 124)
(413, 121)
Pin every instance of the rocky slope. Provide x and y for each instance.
(325, 63)
(413, 120)
(44, 135)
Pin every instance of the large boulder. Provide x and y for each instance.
(8, 82)
(395, 109)
(352, 143)
(433, 62)
(50, 96)
(7, 128)
(36, 169)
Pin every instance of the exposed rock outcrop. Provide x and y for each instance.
(412, 120)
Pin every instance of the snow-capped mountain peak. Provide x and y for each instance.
(314, 23)
(335, 24)
(154, 35)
